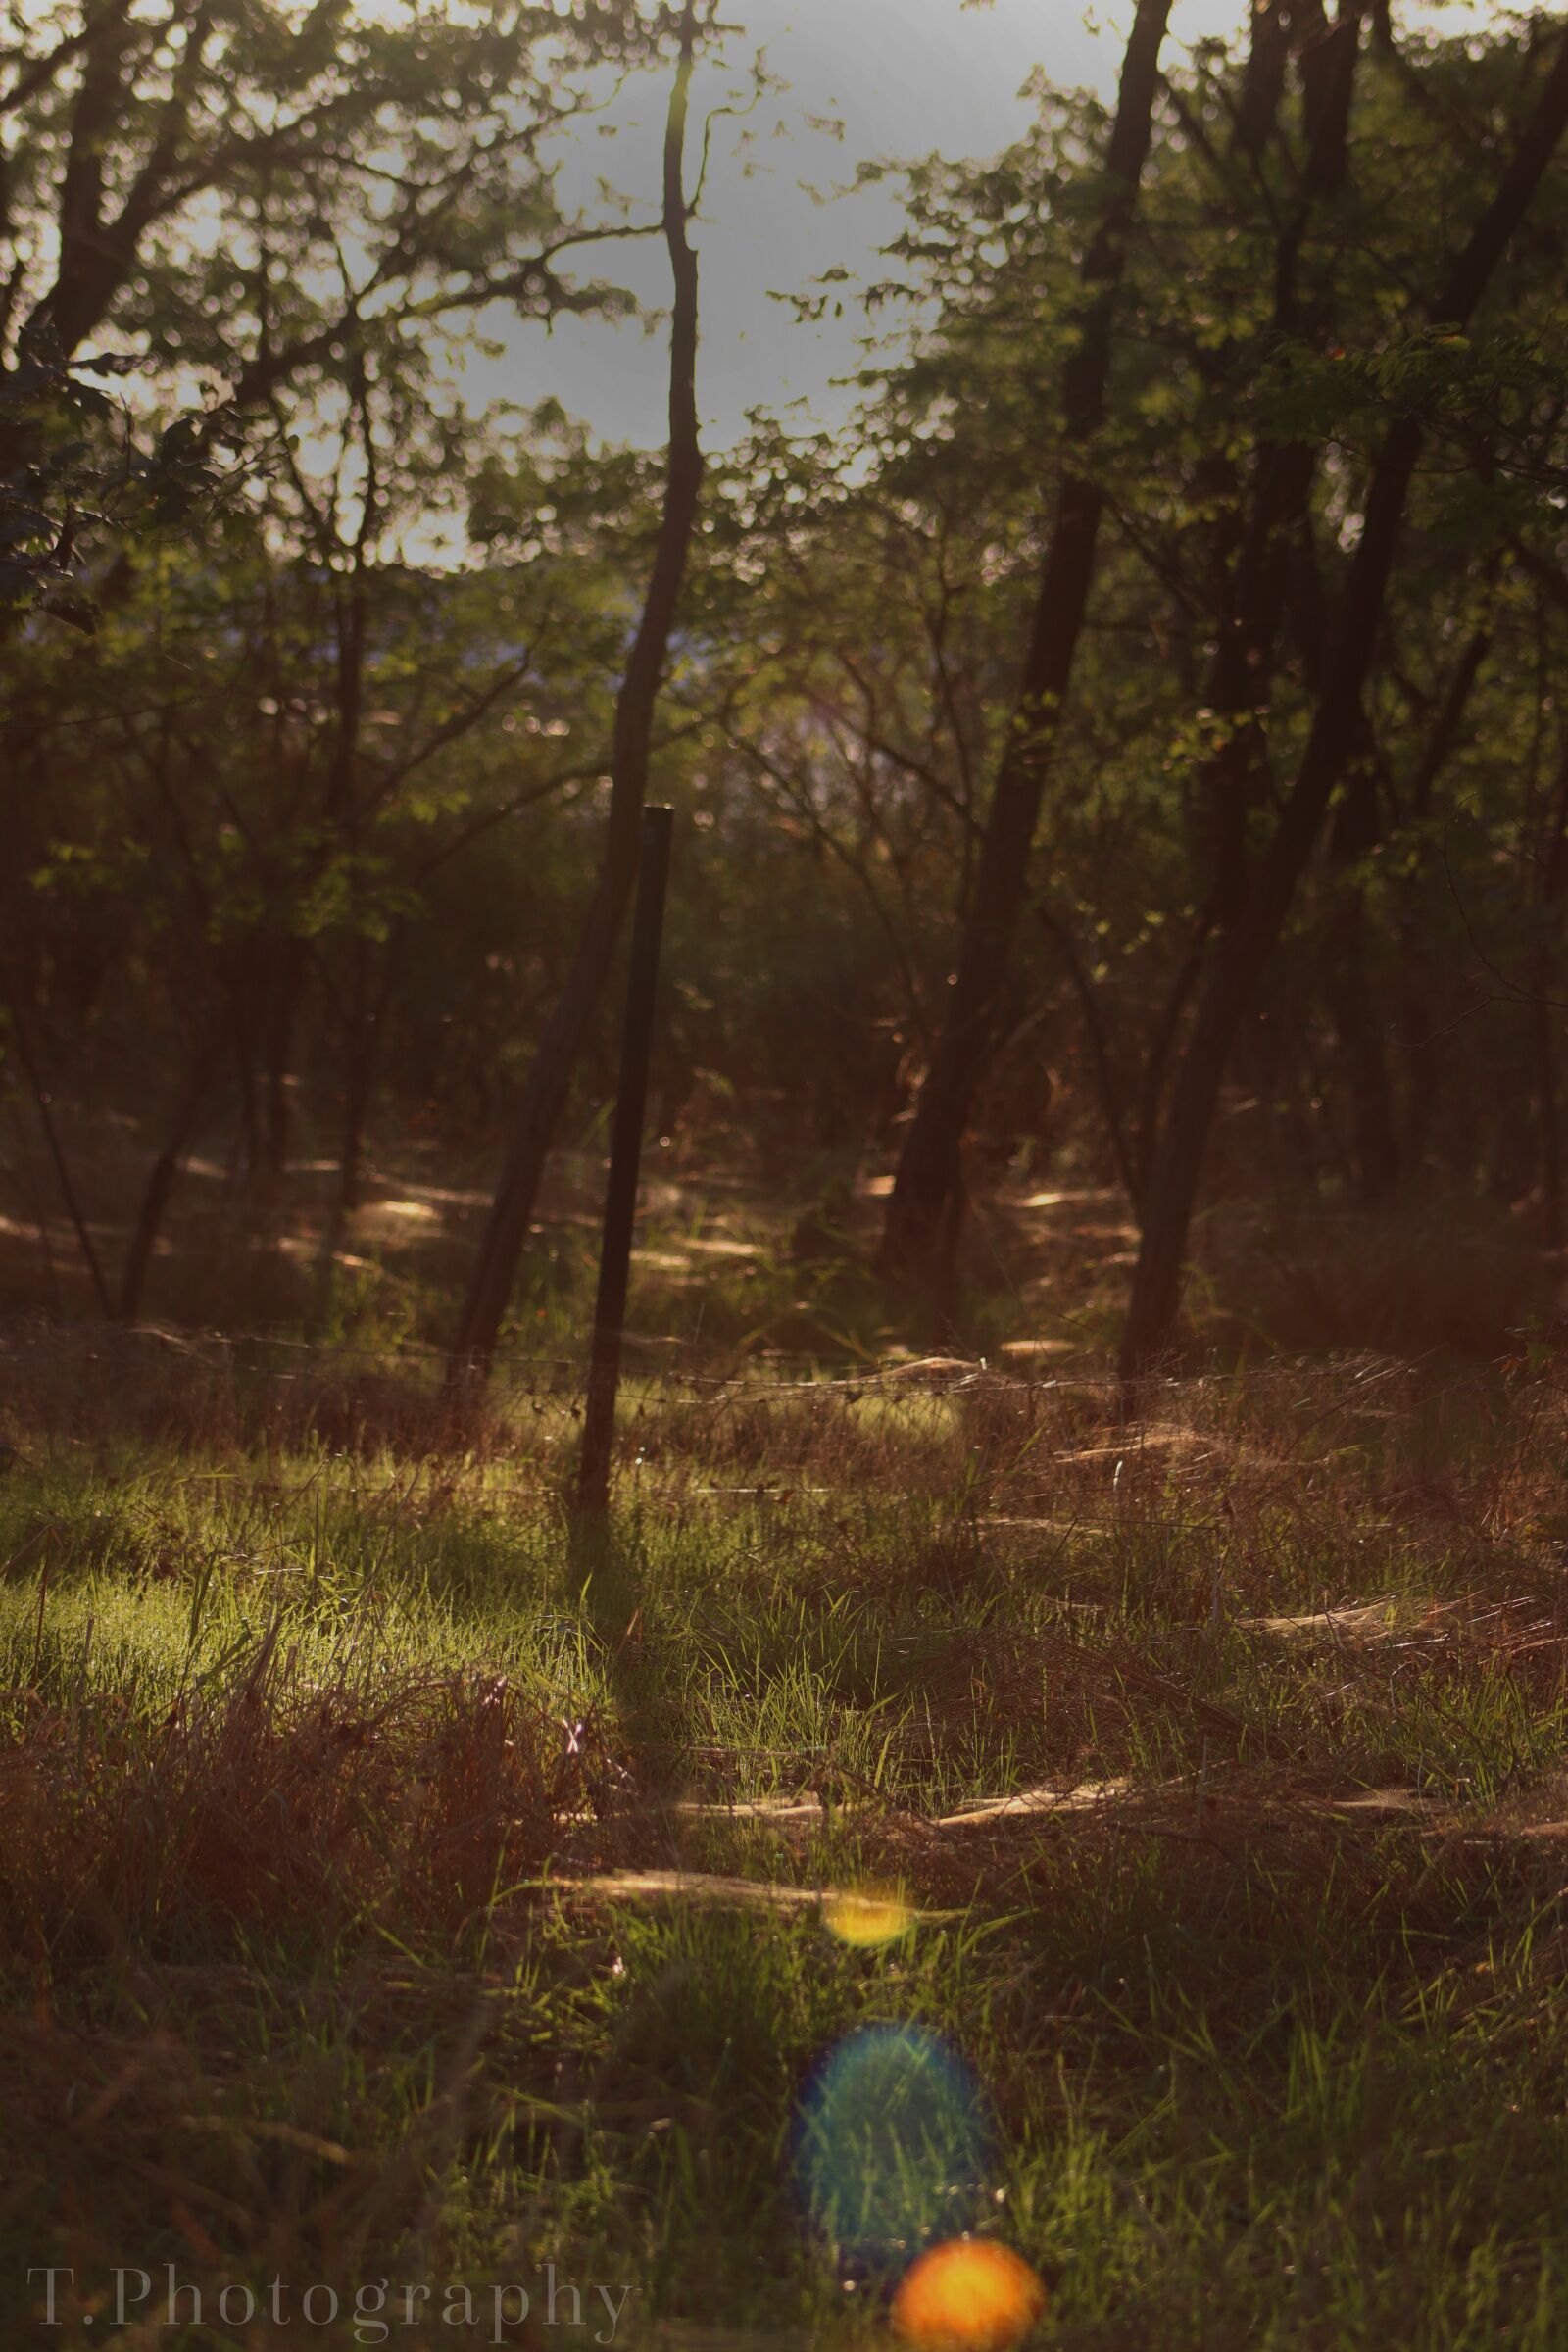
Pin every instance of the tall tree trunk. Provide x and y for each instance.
(352, 629)
(1550, 1122)
(927, 1197)
(1352, 1003)
(1255, 546)
(361, 1021)
(1153, 1088)
(1360, 1025)
(1107, 1085)
(360, 1062)
(1543, 1015)
(1423, 1064)
(1268, 54)
(539, 1115)
(1246, 951)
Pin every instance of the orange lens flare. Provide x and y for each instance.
(969, 2296)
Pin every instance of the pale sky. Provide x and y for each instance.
(906, 77)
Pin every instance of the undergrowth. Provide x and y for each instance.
(333, 1764)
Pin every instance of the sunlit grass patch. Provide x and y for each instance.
(1205, 1798)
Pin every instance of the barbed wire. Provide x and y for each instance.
(743, 1382)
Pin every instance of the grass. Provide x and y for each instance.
(327, 1758)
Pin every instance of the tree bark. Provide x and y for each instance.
(1255, 581)
(1246, 951)
(364, 1025)
(1352, 1000)
(539, 1115)
(360, 1021)
(1160, 1053)
(1549, 1121)
(1269, 55)
(1543, 1017)
(1423, 1064)
(1361, 1024)
(926, 1203)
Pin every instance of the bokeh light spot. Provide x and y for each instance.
(969, 2296)
(892, 2144)
(868, 1916)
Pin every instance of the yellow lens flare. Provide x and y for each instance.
(866, 1916)
(969, 2296)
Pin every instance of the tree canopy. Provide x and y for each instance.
(301, 835)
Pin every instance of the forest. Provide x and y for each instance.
(846, 1619)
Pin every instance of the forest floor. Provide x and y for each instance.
(759, 1254)
(398, 1890)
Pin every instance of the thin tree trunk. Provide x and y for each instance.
(1106, 1083)
(1444, 739)
(926, 1203)
(162, 1179)
(1160, 1053)
(1254, 580)
(248, 1146)
(1359, 1025)
(38, 1211)
(1246, 951)
(560, 1048)
(352, 617)
(68, 1190)
(286, 969)
(365, 1020)
(1422, 1063)
(1253, 550)
(1553, 887)
(361, 1021)
(1352, 1001)
(1548, 1118)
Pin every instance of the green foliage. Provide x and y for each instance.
(330, 777)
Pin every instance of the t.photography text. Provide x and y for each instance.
(371, 2311)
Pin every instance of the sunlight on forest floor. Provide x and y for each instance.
(382, 1870)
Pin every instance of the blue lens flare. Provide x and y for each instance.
(893, 2143)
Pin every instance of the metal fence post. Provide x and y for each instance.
(626, 1156)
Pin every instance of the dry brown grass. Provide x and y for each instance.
(272, 1804)
(206, 1394)
(1424, 1275)
(969, 1584)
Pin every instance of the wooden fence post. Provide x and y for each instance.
(626, 1156)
